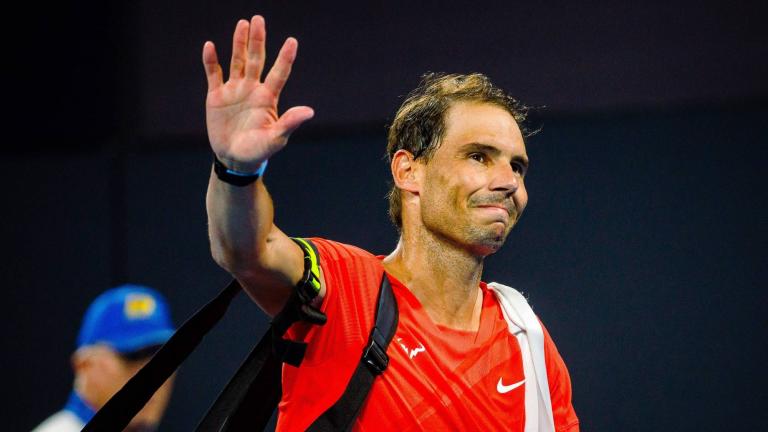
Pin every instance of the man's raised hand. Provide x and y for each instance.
(241, 114)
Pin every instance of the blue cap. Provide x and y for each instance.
(127, 318)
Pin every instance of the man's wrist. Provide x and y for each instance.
(236, 177)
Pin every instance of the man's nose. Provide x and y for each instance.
(505, 179)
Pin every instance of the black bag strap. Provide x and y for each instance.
(260, 370)
(261, 388)
(123, 406)
(341, 416)
(252, 394)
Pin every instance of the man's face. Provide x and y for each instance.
(472, 190)
(102, 372)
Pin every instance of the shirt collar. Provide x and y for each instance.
(77, 406)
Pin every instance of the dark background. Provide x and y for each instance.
(642, 248)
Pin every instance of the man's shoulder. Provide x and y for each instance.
(334, 250)
(62, 421)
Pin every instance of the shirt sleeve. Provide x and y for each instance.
(559, 387)
(351, 276)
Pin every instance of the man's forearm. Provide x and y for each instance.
(239, 222)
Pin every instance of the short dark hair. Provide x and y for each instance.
(419, 123)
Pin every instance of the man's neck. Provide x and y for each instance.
(443, 277)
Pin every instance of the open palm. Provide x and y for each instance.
(244, 127)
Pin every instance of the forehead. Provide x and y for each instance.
(483, 123)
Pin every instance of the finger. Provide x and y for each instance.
(211, 65)
(280, 71)
(239, 50)
(292, 119)
(256, 40)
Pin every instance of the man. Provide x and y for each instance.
(121, 330)
(458, 163)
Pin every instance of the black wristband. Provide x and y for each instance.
(236, 178)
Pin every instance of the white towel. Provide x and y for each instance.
(524, 324)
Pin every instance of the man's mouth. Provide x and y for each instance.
(497, 206)
(495, 203)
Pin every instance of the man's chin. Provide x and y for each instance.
(489, 242)
(497, 232)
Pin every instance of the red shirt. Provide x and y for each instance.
(438, 378)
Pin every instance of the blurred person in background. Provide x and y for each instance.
(121, 331)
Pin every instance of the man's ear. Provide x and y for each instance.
(405, 171)
(80, 360)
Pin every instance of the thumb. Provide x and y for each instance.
(292, 119)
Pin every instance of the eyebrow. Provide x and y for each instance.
(493, 151)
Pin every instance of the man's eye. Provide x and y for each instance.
(518, 168)
(478, 157)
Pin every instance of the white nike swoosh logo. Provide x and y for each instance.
(501, 388)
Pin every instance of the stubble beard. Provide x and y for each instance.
(487, 240)
(480, 239)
